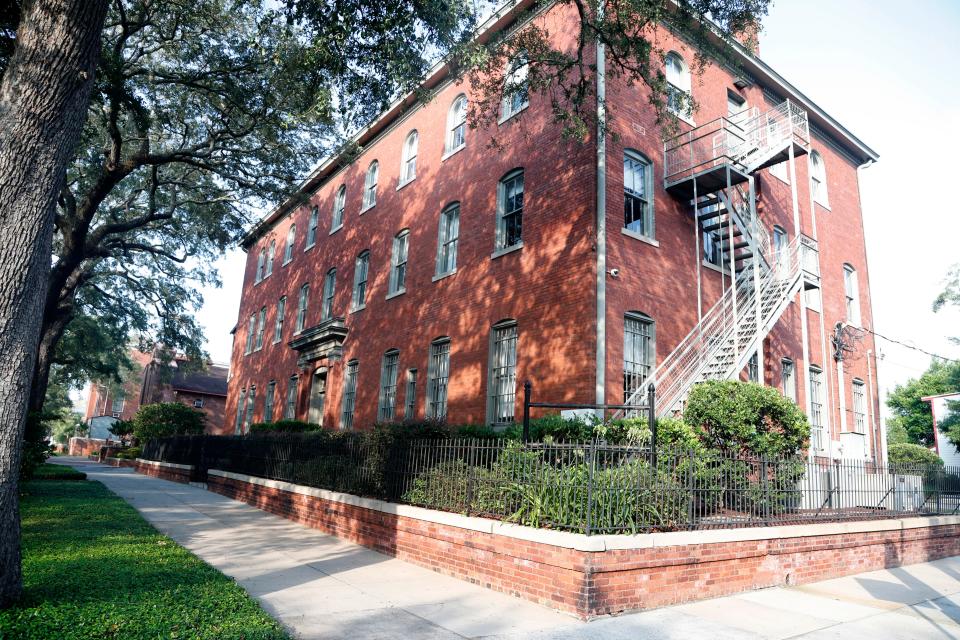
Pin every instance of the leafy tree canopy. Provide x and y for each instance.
(910, 412)
(165, 419)
(906, 453)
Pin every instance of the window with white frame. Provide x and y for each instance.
(818, 179)
(438, 376)
(261, 326)
(678, 85)
(410, 395)
(637, 193)
(251, 333)
(510, 210)
(251, 404)
(753, 367)
(515, 90)
(816, 409)
(312, 227)
(851, 293)
(241, 410)
(408, 162)
(261, 260)
(198, 403)
(329, 287)
(788, 379)
(457, 124)
(859, 406)
(288, 248)
(780, 242)
(503, 372)
(736, 104)
(360, 272)
(290, 407)
(388, 385)
(349, 394)
(370, 185)
(116, 406)
(278, 322)
(268, 401)
(302, 308)
(448, 238)
(339, 204)
(639, 352)
(271, 254)
(398, 263)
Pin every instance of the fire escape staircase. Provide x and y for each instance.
(712, 168)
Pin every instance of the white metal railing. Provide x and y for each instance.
(745, 140)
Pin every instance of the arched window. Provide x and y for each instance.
(370, 185)
(502, 386)
(457, 124)
(312, 228)
(438, 375)
(251, 332)
(448, 238)
(288, 249)
(261, 326)
(260, 262)
(818, 179)
(398, 263)
(678, 85)
(329, 284)
(388, 385)
(639, 354)
(302, 308)
(408, 163)
(851, 292)
(515, 89)
(360, 272)
(270, 256)
(339, 204)
(510, 210)
(637, 193)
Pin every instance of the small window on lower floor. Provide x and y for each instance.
(788, 379)
(503, 373)
(410, 396)
(438, 375)
(349, 395)
(859, 406)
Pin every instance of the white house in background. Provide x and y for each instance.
(944, 448)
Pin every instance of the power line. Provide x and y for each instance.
(910, 346)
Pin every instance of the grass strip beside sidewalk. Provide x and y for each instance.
(94, 568)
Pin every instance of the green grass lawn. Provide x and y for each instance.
(93, 568)
(47, 471)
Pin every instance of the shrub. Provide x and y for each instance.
(744, 418)
(123, 429)
(167, 419)
(906, 453)
(130, 453)
(285, 426)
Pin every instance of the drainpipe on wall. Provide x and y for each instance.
(601, 222)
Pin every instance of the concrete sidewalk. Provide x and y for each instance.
(323, 587)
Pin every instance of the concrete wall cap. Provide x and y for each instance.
(165, 465)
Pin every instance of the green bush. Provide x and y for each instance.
(285, 426)
(123, 429)
(906, 453)
(746, 419)
(130, 453)
(166, 419)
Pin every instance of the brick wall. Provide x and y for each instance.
(592, 576)
(164, 470)
(85, 446)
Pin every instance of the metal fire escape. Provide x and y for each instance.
(712, 167)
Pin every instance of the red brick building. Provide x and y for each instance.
(431, 275)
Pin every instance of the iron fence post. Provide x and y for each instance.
(471, 475)
(527, 390)
(591, 455)
(691, 489)
(652, 421)
(767, 497)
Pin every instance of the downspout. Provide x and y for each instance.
(601, 221)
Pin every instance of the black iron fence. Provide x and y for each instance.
(589, 488)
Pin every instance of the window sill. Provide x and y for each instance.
(360, 308)
(713, 267)
(307, 248)
(441, 276)
(822, 205)
(683, 118)
(639, 236)
(403, 184)
(452, 152)
(286, 262)
(335, 229)
(365, 209)
(502, 252)
(395, 294)
(514, 114)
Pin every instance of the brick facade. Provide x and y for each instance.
(164, 470)
(548, 286)
(599, 575)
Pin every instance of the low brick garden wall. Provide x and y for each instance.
(164, 470)
(119, 462)
(85, 447)
(590, 576)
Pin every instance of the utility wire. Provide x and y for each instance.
(910, 346)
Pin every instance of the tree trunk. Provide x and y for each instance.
(51, 331)
(43, 104)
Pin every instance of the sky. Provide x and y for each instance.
(887, 71)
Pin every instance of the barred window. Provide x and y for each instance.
(329, 286)
(339, 204)
(270, 257)
(388, 385)
(503, 372)
(302, 308)
(312, 229)
(251, 401)
(859, 407)
(251, 333)
(510, 210)
(288, 249)
(261, 326)
(398, 263)
(788, 379)
(457, 124)
(370, 185)
(448, 239)
(360, 272)
(639, 353)
(278, 323)
(290, 409)
(268, 401)
(349, 394)
(410, 395)
(438, 376)
(241, 410)
(408, 168)
(816, 409)
(637, 193)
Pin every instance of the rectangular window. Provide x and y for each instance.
(515, 90)
(859, 407)
(360, 280)
(438, 375)
(713, 249)
(788, 379)
(302, 308)
(268, 401)
(398, 267)
(198, 403)
(637, 194)
(753, 368)
(503, 373)
(736, 104)
(278, 323)
(312, 227)
(339, 204)
(851, 295)
(510, 207)
(448, 239)
(251, 402)
(116, 407)
(349, 394)
(388, 386)
(260, 327)
(329, 284)
(816, 410)
(410, 395)
(638, 355)
(290, 409)
(251, 333)
(241, 410)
